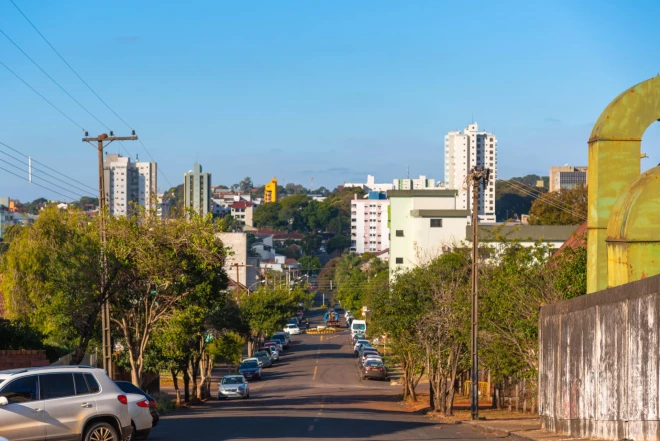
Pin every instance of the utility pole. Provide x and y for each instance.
(478, 175)
(105, 309)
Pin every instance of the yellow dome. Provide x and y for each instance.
(636, 213)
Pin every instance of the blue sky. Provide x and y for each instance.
(333, 90)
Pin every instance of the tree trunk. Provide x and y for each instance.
(432, 373)
(455, 356)
(192, 372)
(175, 381)
(186, 386)
(443, 394)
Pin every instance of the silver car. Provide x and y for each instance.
(233, 386)
(62, 402)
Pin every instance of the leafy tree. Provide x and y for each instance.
(570, 272)
(176, 199)
(51, 275)
(164, 266)
(311, 243)
(246, 185)
(338, 243)
(310, 263)
(565, 207)
(267, 215)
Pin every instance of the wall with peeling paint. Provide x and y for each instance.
(599, 363)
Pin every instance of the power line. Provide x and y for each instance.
(88, 86)
(557, 203)
(42, 97)
(68, 65)
(39, 185)
(45, 180)
(41, 171)
(49, 168)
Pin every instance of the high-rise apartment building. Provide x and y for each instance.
(369, 229)
(466, 150)
(420, 183)
(197, 190)
(129, 184)
(566, 177)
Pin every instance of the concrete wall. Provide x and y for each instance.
(599, 363)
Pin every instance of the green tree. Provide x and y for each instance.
(310, 263)
(51, 278)
(246, 185)
(338, 243)
(267, 215)
(565, 207)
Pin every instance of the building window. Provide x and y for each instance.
(436, 223)
(399, 260)
(399, 233)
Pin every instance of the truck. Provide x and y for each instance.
(358, 326)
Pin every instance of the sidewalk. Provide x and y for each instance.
(527, 428)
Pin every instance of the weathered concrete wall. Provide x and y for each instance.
(599, 363)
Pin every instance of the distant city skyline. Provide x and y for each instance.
(310, 88)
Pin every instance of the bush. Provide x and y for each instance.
(165, 402)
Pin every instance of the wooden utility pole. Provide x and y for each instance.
(105, 309)
(478, 175)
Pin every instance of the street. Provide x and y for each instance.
(314, 392)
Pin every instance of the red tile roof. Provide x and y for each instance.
(577, 239)
(242, 204)
(290, 260)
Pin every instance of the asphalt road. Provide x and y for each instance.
(313, 393)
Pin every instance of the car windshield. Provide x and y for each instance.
(129, 388)
(291, 326)
(249, 365)
(232, 380)
(261, 354)
(360, 326)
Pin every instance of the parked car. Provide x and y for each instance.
(81, 403)
(358, 344)
(250, 369)
(292, 329)
(141, 419)
(287, 336)
(373, 368)
(282, 338)
(366, 355)
(233, 386)
(366, 349)
(274, 354)
(264, 358)
(130, 388)
(275, 344)
(357, 337)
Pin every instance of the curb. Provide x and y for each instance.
(499, 432)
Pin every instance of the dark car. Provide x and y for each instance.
(374, 369)
(280, 338)
(250, 369)
(357, 336)
(130, 388)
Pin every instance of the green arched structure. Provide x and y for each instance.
(614, 163)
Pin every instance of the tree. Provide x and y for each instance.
(338, 243)
(267, 215)
(51, 275)
(310, 263)
(164, 265)
(564, 207)
(311, 243)
(246, 185)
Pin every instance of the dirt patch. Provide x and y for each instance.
(461, 411)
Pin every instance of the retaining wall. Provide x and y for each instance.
(22, 359)
(599, 373)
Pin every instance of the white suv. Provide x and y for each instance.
(62, 402)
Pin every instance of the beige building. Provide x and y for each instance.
(565, 177)
(420, 183)
(128, 184)
(242, 212)
(238, 265)
(466, 150)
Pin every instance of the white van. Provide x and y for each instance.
(359, 326)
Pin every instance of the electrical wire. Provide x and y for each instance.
(47, 174)
(88, 86)
(549, 199)
(42, 97)
(39, 185)
(49, 168)
(68, 190)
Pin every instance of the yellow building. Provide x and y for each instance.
(270, 191)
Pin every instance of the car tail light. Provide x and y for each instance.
(122, 399)
(143, 403)
(153, 404)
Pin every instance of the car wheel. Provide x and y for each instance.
(102, 432)
(247, 395)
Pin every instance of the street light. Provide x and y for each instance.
(258, 281)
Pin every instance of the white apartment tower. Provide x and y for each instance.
(369, 223)
(463, 151)
(129, 184)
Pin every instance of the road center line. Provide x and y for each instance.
(314, 377)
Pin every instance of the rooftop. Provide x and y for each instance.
(548, 233)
